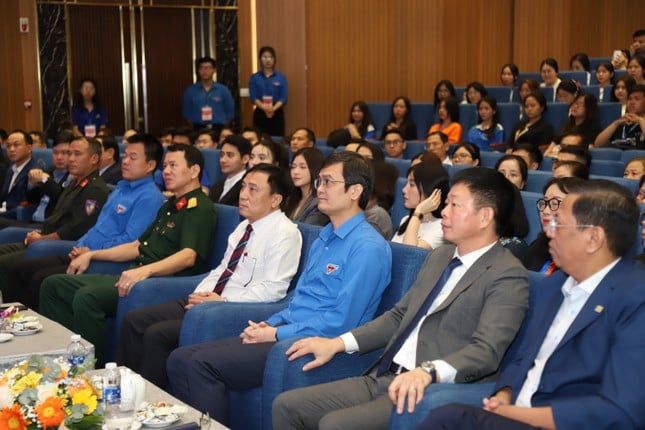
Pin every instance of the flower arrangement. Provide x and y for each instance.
(43, 392)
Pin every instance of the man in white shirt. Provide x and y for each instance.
(261, 259)
(579, 361)
(453, 326)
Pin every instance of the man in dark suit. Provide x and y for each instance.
(234, 155)
(110, 167)
(14, 189)
(580, 360)
(453, 326)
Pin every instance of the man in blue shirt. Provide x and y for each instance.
(206, 102)
(129, 210)
(340, 288)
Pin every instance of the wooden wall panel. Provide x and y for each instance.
(352, 55)
(19, 68)
(281, 24)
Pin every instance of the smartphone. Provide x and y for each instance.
(617, 53)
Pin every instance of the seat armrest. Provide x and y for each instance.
(218, 320)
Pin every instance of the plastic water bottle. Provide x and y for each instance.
(76, 352)
(111, 391)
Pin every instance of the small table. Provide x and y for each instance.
(51, 341)
(155, 394)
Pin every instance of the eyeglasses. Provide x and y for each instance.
(392, 142)
(552, 203)
(461, 156)
(553, 225)
(325, 182)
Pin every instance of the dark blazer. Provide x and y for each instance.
(310, 214)
(113, 174)
(473, 327)
(18, 193)
(409, 129)
(232, 198)
(540, 133)
(594, 377)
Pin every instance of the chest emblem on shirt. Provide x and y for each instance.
(331, 268)
(90, 206)
(120, 209)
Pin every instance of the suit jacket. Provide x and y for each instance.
(232, 198)
(113, 174)
(18, 193)
(310, 214)
(473, 327)
(594, 377)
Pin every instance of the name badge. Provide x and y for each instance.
(207, 114)
(90, 130)
(267, 100)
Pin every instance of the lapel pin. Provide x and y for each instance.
(598, 309)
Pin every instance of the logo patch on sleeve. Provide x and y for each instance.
(90, 206)
(331, 268)
(120, 209)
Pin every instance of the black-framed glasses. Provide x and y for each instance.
(326, 182)
(552, 203)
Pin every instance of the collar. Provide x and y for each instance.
(181, 202)
(235, 179)
(18, 168)
(469, 259)
(101, 171)
(268, 219)
(124, 183)
(344, 229)
(589, 285)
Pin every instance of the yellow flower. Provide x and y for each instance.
(85, 397)
(13, 419)
(50, 412)
(30, 380)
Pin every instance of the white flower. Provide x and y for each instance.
(6, 397)
(47, 390)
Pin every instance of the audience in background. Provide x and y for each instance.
(302, 203)
(401, 119)
(628, 131)
(425, 195)
(302, 138)
(466, 154)
(514, 168)
(532, 156)
(361, 124)
(549, 73)
(635, 168)
(474, 93)
(394, 143)
(488, 129)
(442, 91)
(570, 169)
(437, 143)
(382, 198)
(534, 129)
(233, 158)
(88, 114)
(448, 113)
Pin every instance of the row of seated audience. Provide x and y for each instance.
(345, 283)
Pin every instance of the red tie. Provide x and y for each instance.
(232, 262)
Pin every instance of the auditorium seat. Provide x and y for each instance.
(630, 184)
(423, 116)
(211, 164)
(501, 94)
(524, 75)
(556, 114)
(549, 94)
(380, 114)
(398, 210)
(609, 112)
(413, 148)
(629, 155)
(594, 61)
(489, 158)
(614, 154)
(607, 168)
(509, 115)
(402, 164)
(467, 117)
(529, 199)
(582, 77)
(536, 180)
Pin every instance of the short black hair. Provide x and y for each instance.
(356, 170)
(65, 136)
(95, 147)
(25, 135)
(184, 131)
(490, 189)
(394, 131)
(203, 60)
(521, 163)
(579, 152)
(151, 147)
(278, 179)
(192, 155)
(109, 142)
(242, 144)
(310, 134)
(443, 136)
(534, 152)
(606, 204)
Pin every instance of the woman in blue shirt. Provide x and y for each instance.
(268, 93)
(488, 129)
(88, 115)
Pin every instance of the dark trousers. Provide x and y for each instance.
(30, 273)
(148, 336)
(10, 254)
(273, 126)
(202, 374)
(458, 416)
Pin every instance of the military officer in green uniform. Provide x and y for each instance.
(76, 211)
(176, 243)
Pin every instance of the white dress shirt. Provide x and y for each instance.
(407, 355)
(269, 262)
(230, 182)
(575, 296)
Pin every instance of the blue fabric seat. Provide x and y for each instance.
(529, 200)
(489, 158)
(536, 180)
(398, 210)
(608, 113)
(614, 154)
(471, 394)
(607, 168)
(556, 114)
(280, 374)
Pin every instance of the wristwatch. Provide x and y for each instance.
(428, 366)
(418, 215)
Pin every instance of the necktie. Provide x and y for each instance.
(232, 262)
(388, 356)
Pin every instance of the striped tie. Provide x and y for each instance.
(232, 262)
